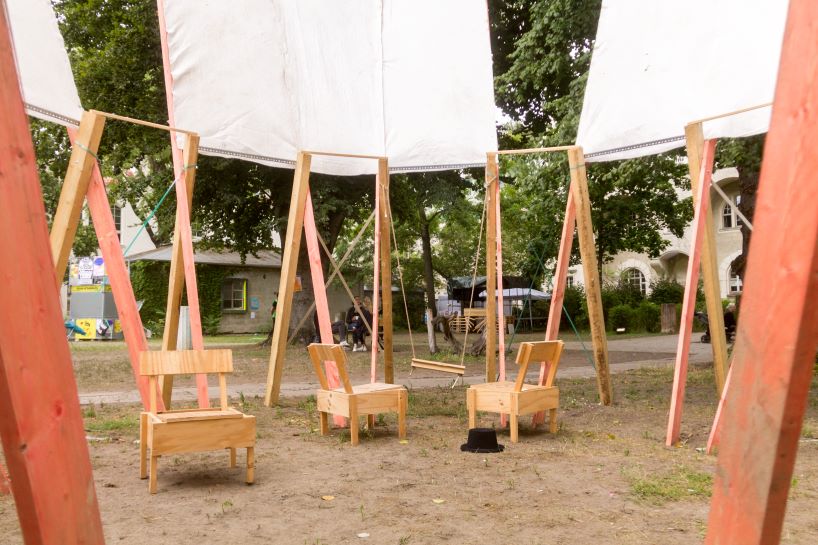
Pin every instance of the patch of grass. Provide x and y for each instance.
(102, 423)
(678, 484)
(440, 401)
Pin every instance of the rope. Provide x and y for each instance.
(388, 203)
(585, 350)
(86, 150)
(155, 209)
(474, 273)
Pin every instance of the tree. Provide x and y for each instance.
(542, 52)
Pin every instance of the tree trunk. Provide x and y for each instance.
(748, 186)
(429, 279)
(447, 332)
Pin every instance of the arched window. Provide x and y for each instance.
(633, 277)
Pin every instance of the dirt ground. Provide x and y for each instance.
(604, 478)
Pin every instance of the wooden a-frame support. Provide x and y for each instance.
(84, 181)
(774, 353)
(577, 212)
(301, 217)
(41, 426)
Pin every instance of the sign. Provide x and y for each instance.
(85, 268)
(297, 285)
(99, 268)
(255, 303)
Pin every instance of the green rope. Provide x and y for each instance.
(585, 350)
(153, 212)
(91, 153)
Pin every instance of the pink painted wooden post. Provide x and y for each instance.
(689, 304)
(376, 282)
(191, 285)
(41, 426)
(321, 303)
(774, 353)
(117, 271)
(558, 286)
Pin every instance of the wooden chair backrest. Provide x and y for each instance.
(319, 353)
(186, 362)
(547, 351)
(474, 312)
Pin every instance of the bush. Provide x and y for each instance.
(667, 291)
(623, 316)
(649, 317)
(574, 303)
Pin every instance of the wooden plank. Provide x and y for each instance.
(439, 366)
(715, 430)
(697, 234)
(186, 362)
(529, 151)
(710, 269)
(501, 319)
(144, 123)
(492, 179)
(376, 277)
(774, 354)
(289, 262)
(41, 426)
(5, 485)
(190, 155)
(203, 435)
(593, 290)
(195, 415)
(382, 183)
(72, 195)
(117, 271)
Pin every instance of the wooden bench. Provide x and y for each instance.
(192, 430)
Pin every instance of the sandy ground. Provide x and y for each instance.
(604, 478)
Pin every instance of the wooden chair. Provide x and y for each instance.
(353, 401)
(517, 398)
(192, 430)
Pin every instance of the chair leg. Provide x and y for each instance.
(370, 422)
(323, 421)
(552, 415)
(403, 403)
(143, 446)
(471, 404)
(353, 420)
(152, 476)
(232, 457)
(513, 426)
(251, 465)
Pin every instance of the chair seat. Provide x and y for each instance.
(370, 387)
(507, 386)
(192, 415)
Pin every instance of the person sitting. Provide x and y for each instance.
(358, 316)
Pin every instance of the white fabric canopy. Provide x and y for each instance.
(45, 74)
(407, 79)
(658, 66)
(521, 293)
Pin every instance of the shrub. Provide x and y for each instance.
(622, 316)
(574, 303)
(649, 317)
(666, 291)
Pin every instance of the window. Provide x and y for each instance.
(570, 282)
(735, 281)
(729, 218)
(635, 279)
(116, 212)
(234, 294)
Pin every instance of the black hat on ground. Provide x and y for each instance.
(482, 440)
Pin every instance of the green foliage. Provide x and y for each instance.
(574, 305)
(649, 317)
(666, 291)
(150, 284)
(622, 316)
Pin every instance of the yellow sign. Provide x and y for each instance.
(89, 325)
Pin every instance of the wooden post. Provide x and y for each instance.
(376, 276)
(774, 354)
(593, 290)
(710, 269)
(698, 233)
(715, 430)
(492, 178)
(178, 271)
(117, 272)
(382, 184)
(5, 485)
(289, 262)
(501, 310)
(74, 188)
(41, 424)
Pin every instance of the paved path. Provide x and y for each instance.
(663, 346)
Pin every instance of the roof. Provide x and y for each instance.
(268, 259)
